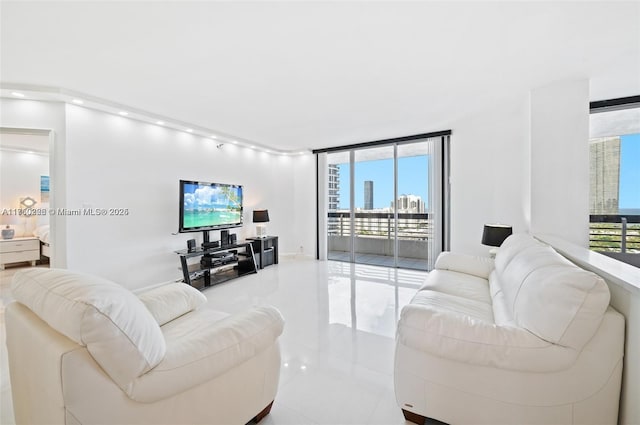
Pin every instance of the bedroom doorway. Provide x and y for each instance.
(25, 195)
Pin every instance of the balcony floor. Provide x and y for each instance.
(380, 260)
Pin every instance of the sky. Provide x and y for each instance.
(412, 180)
(412, 177)
(630, 172)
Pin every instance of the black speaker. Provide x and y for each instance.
(191, 245)
(232, 239)
(224, 237)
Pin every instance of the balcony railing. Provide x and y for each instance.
(375, 234)
(382, 225)
(615, 233)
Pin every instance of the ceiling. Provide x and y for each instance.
(37, 142)
(305, 75)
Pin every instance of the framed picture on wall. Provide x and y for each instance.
(44, 189)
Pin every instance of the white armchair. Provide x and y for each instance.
(83, 350)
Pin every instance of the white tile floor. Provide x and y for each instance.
(338, 342)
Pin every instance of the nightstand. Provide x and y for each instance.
(17, 250)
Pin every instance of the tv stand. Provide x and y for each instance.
(222, 263)
(206, 243)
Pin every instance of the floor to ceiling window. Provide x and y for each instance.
(614, 165)
(384, 203)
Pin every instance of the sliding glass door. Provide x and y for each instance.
(339, 240)
(385, 204)
(372, 213)
(418, 190)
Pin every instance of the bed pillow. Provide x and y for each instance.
(41, 231)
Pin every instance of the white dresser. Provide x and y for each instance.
(17, 250)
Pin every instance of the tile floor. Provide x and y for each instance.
(338, 342)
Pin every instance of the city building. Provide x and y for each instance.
(368, 195)
(410, 204)
(334, 187)
(604, 175)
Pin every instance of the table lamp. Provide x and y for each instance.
(261, 216)
(494, 235)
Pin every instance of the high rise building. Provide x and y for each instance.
(410, 204)
(604, 175)
(334, 187)
(368, 195)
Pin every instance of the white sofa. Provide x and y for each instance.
(84, 350)
(527, 339)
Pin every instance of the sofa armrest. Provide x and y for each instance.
(462, 263)
(200, 347)
(466, 339)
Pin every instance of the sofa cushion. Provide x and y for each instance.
(456, 305)
(511, 247)
(170, 301)
(472, 265)
(459, 284)
(513, 274)
(114, 325)
(205, 344)
(546, 294)
(452, 334)
(562, 304)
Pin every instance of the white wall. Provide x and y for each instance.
(46, 116)
(116, 162)
(523, 162)
(304, 180)
(19, 178)
(560, 161)
(489, 173)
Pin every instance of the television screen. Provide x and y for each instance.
(208, 206)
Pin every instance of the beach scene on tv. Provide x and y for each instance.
(211, 205)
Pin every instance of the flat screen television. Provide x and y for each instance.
(209, 206)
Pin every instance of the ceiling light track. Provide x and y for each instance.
(53, 94)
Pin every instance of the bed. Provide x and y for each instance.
(42, 233)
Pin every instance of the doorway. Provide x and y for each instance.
(25, 189)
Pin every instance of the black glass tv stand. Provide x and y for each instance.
(205, 267)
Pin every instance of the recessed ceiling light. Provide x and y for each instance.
(123, 113)
(235, 142)
(160, 122)
(77, 101)
(190, 130)
(16, 94)
(213, 136)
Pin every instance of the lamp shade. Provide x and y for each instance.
(495, 234)
(260, 216)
